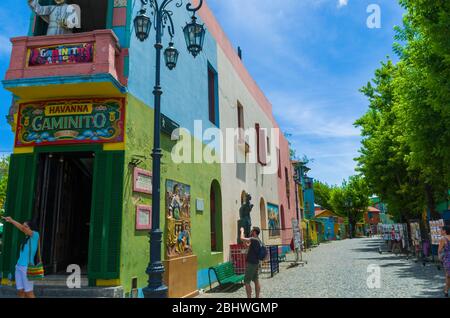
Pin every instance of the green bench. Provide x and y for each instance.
(225, 274)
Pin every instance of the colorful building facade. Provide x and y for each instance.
(82, 115)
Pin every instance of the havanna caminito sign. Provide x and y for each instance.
(98, 120)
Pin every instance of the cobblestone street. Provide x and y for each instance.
(339, 270)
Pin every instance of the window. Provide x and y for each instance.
(241, 127)
(268, 145)
(212, 96)
(279, 163)
(93, 16)
(288, 192)
(261, 144)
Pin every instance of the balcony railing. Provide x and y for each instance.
(78, 54)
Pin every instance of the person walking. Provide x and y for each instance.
(28, 251)
(253, 258)
(444, 255)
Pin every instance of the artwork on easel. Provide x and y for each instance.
(178, 219)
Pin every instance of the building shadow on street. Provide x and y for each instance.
(430, 279)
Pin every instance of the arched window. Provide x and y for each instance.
(216, 217)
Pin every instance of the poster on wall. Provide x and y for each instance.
(142, 181)
(273, 220)
(74, 121)
(61, 54)
(178, 219)
(143, 217)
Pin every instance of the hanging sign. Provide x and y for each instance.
(99, 120)
(61, 54)
(142, 181)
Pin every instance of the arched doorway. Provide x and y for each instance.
(216, 217)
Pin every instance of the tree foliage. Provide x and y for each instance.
(351, 199)
(322, 194)
(405, 154)
(4, 167)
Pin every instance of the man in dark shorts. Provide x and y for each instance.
(251, 273)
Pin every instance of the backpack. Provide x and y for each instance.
(262, 251)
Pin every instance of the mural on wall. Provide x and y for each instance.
(178, 215)
(273, 216)
(98, 120)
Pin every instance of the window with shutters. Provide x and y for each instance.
(213, 108)
(288, 192)
(261, 144)
(240, 115)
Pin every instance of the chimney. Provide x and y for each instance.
(239, 52)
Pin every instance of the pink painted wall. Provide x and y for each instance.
(108, 57)
(288, 204)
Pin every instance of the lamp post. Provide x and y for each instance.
(194, 34)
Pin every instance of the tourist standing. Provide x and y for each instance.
(253, 258)
(28, 251)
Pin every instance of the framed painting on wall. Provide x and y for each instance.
(142, 181)
(143, 217)
(273, 220)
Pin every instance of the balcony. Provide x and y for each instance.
(82, 64)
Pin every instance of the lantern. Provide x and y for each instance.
(142, 25)
(171, 56)
(194, 35)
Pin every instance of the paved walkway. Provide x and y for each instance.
(339, 270)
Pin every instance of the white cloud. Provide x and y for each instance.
(342, 3)
(319, 118)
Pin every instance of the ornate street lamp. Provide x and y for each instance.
(171, 56)
(162, 18)
(142, 25)
(194, 35)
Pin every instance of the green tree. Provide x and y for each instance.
(322, 195)
(384, 149)
(4, 167)
(351, 200)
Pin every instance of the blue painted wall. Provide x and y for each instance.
(185, 88)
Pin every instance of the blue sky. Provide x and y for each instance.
(310, 57)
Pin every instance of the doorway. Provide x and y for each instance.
(63, 209)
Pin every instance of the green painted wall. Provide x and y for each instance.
(135, 244)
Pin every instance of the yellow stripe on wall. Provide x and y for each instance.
(107, 282)
(114, 146)
(21, 150)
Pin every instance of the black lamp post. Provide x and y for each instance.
(194, 35)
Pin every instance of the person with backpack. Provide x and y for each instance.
(256, 252)
(444, 255)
